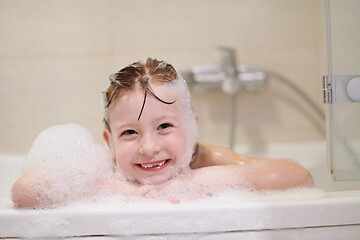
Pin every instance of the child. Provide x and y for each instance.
(151, 132)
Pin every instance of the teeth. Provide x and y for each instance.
(152, 165)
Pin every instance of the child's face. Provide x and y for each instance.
(152, 149)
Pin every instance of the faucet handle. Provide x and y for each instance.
(228, 60)
(231, 83)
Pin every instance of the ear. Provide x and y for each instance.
(197, 118)
(108, 139)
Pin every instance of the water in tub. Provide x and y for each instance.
(71, 166)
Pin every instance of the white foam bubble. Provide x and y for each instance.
(67, 158)
(268, 195)
(182, 89)
(67, 162)
(69, 144)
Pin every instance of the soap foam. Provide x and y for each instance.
(268, 195)
(66, 158)
(67, 162)
(179, 86)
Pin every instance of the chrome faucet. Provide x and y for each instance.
(230, 83)
(230, 77)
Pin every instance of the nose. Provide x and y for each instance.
(149, 146)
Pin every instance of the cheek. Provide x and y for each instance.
(177, 142)
(124, 154)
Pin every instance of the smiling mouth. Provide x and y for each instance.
(153, 166)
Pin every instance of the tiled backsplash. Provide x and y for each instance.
(56, 56)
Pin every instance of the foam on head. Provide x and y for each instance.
(181, 88)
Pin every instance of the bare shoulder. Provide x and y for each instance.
(260, 173)
(38, 191)
(26, 192)
(265, 174)
(211, 155)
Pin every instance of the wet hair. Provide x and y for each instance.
(141, 74)
(144, 75)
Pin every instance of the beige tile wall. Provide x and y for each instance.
(55, 56)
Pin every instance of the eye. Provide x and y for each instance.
(128, 132)
(164, 126)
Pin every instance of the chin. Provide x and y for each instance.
(155, 180)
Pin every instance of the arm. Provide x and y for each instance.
(30, 191)
(279, 174)
(209, 155)
(204, 182)
(262, 173)
(36, 191)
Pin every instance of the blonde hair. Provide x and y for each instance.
(141, 74)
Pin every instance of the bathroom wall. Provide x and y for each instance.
(55, 57)
(345, 36)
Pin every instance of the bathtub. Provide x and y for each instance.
(330, 214)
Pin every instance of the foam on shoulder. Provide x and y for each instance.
(67, 163)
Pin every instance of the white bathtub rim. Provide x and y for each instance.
(333, 209)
